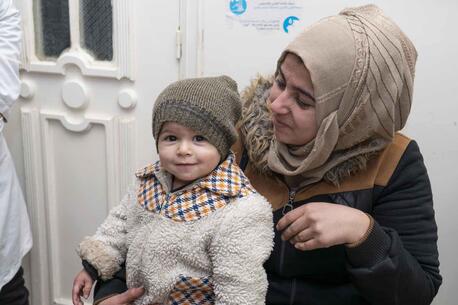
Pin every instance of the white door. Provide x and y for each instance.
(90, 71)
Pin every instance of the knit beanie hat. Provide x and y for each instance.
(210, 106)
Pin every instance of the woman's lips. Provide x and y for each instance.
(279, 124)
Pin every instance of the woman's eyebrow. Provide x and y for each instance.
(302, 91)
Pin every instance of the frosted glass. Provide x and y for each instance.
(97, 28)
(52, 27)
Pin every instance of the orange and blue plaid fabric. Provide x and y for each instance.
(192, 291)
(224, 184)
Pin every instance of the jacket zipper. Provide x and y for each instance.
(293, 292)
(288, 207)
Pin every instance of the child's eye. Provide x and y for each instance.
(199, 138)
(170, 138)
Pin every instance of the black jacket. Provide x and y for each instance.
(397, 264)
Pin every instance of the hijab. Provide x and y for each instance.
(362, 68)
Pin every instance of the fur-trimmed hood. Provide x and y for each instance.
(257, 133)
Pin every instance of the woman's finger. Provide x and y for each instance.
(87, 289)
(310, 244)
(297, 226)
(76, 293)
(302, 236)
(290, 217)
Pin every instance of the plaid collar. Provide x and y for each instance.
(225, 183)
(225, 179)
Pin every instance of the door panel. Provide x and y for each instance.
(85, 119)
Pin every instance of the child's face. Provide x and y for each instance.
(185, 154)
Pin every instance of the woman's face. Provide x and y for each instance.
(292, 103)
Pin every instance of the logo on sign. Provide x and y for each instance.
(289, 21)
(238, 7)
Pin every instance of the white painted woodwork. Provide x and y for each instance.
(35, 195)
(74, 94)
(121, 66)
(127, 99)
(84, 126)
(76, 195)
(27, 90)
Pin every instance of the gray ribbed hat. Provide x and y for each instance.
(208, 105)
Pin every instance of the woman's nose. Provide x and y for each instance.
(281, 104)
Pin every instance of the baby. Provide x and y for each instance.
(193, 230)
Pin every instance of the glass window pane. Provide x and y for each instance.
(52, 28)
(97, 28)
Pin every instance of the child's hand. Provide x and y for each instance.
(82, 285)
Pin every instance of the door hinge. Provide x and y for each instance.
(178, 43)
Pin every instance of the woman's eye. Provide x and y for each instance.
(303, 104)
(199, 138)
(280, 83)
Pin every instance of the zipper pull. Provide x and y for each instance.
(289, 205)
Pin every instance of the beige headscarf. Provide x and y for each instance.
(362, 68)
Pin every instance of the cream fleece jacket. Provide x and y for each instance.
(227, 248)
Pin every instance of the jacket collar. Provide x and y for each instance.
(226, 179)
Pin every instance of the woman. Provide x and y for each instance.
(351, 197)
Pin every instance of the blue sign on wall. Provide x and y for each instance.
(238, 7)
(289, 21)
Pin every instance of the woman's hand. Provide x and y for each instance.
(126, 298)
(82, 285)
(320, 225)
